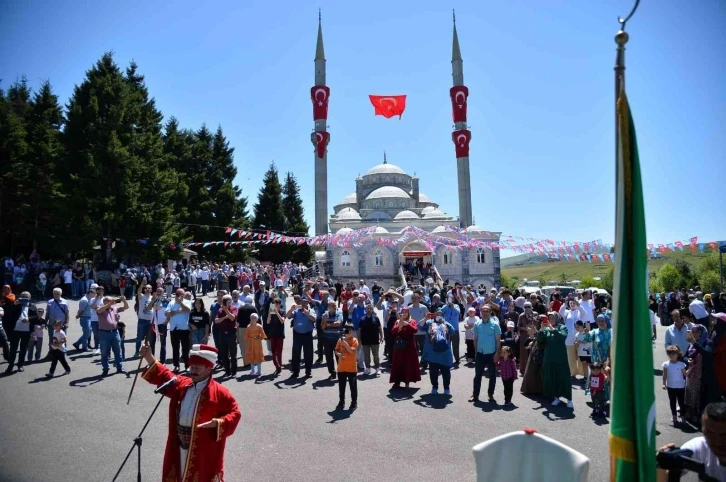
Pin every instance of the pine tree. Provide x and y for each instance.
(269, 215)
(231, 207)
(15, 174)
(122, 185)
(295, 224)
(44, 211)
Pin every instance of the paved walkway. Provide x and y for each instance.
(78, 427)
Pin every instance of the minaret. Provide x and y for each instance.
(461, 135)
(319, 95)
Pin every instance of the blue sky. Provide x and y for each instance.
(540, 76)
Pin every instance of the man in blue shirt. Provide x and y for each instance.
(487, 340)
(357, 313)
(178, 313)
(303, 322)
(451, 313)
(213, 310)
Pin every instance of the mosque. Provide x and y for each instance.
(389, 199)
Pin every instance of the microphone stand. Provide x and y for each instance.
(137, 444)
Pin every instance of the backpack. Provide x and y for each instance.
(439, 337)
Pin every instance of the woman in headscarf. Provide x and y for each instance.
(528, 319)
(693, 375)
(706, 348)
(532, 379)
(404, 367)
(555, 367)
(601, 338)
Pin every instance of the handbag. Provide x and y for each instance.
(400, 343)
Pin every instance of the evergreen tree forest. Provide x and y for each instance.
(105, 169)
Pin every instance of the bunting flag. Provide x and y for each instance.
(632, 424)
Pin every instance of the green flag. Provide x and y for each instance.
(632, 425)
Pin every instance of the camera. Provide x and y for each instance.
(676, 460)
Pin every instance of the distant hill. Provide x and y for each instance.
(538, 269)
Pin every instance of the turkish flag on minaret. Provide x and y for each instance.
(389, 105)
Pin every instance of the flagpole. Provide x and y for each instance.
(621, 38)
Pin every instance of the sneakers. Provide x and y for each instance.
(555, 402)
(77, 346)
(122, 371)
(434, 392)
(367, 371)
(353, 406)
(569, 404)
(447, 392)
(473, 399)
(49, 375)
(67, 372)
(97, 351)
(375, 372)
(340, 406)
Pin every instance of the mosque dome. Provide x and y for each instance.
(349, 199)
(435, 213)
(385, 168)
(405, 214)
(345, 230)
(423, 198)
(381, 230)
(348, 214)
(427, 209)
(474, 229)
(388, 192)
(440, 229)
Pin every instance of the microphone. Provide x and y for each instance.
(166, 385)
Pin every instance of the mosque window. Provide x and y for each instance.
(345, 258)
(379, 258)
(480, 256)
(448, 259)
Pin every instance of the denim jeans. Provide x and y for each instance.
(85, 322)
(34, 346)
(483, 361)
(434, 370)
(96, 336)
(141, 330)
(162, 329)
(77, 288)
(111, 340)
(197, 336)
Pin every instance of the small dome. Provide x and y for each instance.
(474, 229)
(440, 229)
(345, 230)
(349, 199)
(405, 214)
(423, 198)
(381, 230)
(385, 168)
(427, 209)
(434, 214)
(388, 192)
(348, 214)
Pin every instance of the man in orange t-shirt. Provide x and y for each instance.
(346, 349)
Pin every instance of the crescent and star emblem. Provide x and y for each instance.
(458, 139)
(320, 101)
(463, 99)
(319, 136)
(392, 100)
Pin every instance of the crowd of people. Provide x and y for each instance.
(550, 342)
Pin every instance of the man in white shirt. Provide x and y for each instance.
(697, 309)
(205, 281)
(67, 276)
(363, 288)
(589, 307)
(709, 450)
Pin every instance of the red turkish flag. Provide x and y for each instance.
(461, 140)
(321, 143)
(389, 105)
(319, 94)
(459, 94)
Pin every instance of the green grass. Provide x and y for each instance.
(574, 270)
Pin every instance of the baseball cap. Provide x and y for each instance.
(94, 286)
(278, 282)
(510, 324)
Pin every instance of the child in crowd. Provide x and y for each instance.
(583, 349)
(674, 380)
(36, 337)
(508, 371)
(253, 354)
(346, 350)
(469, 323)
(58, 350)
(510, 339)
(596, 386)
